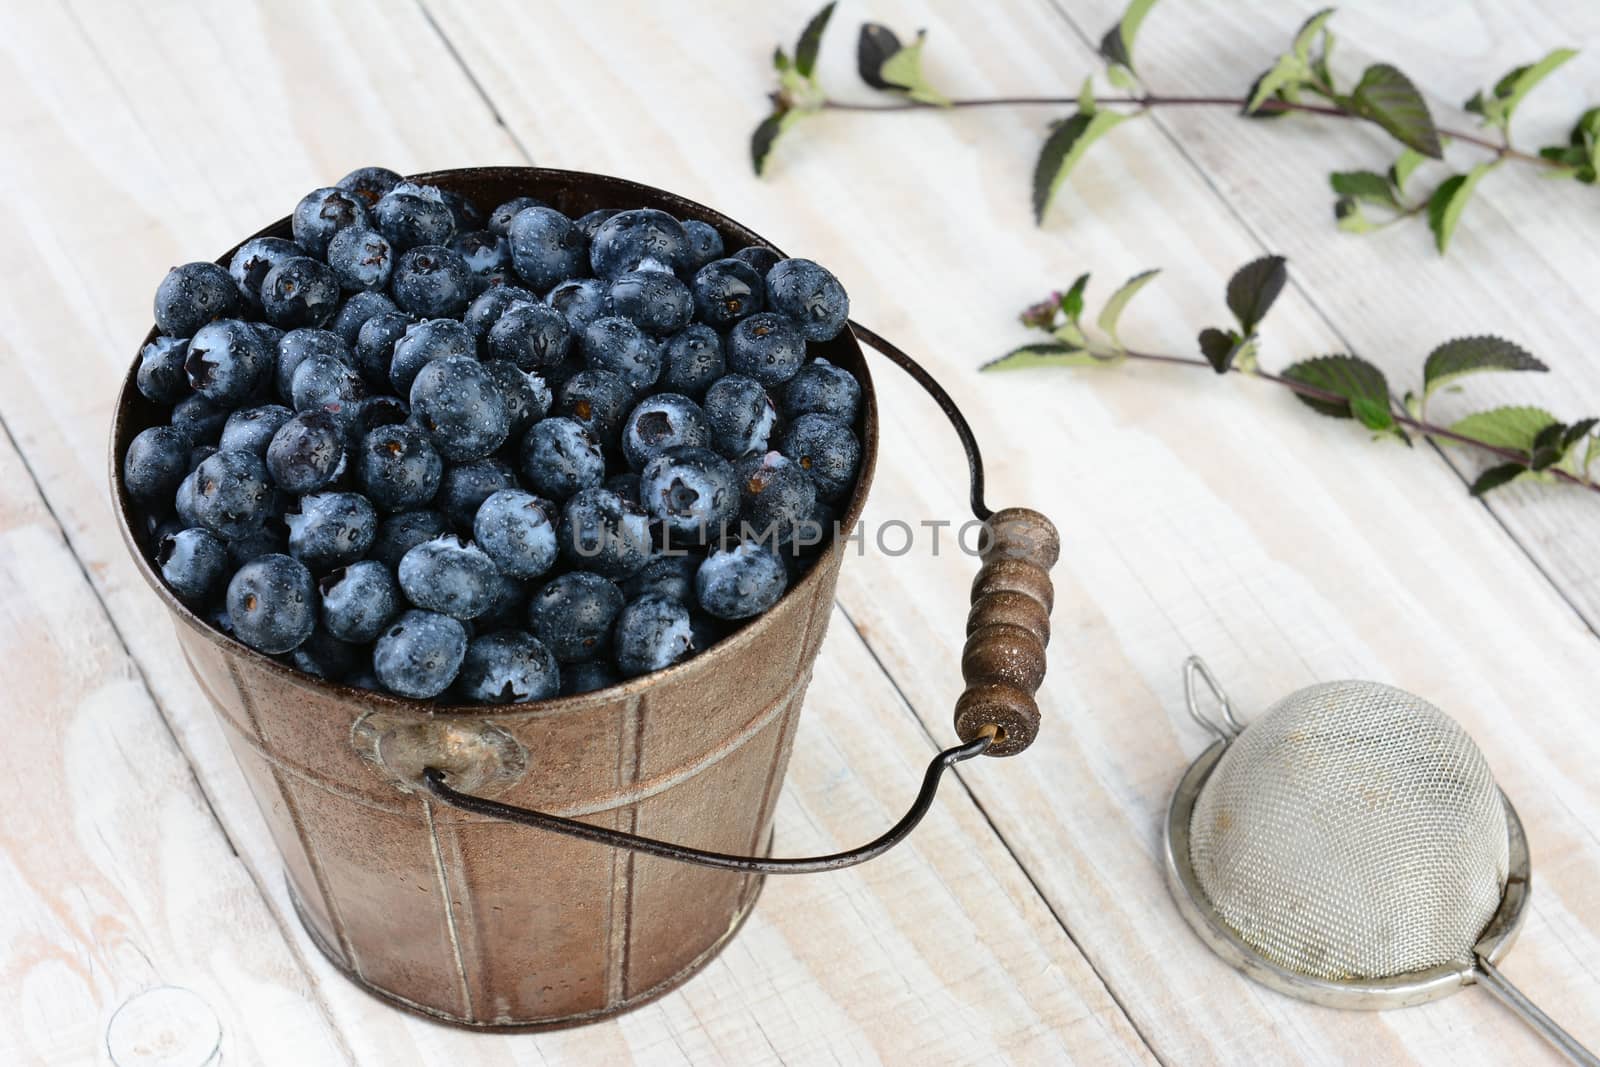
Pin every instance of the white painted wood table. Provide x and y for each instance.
(1027, 920)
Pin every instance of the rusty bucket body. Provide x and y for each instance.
(479, 922)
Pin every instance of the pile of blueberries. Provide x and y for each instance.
(490, 458)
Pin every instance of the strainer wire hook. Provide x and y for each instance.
(1228, 726)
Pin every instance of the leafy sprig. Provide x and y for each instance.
(1527, 443)
(1299, 81)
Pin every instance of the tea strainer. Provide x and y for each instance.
(1350, 847)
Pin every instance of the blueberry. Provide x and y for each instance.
(270, 335)
(589, 223)
(653, 300)
(660, 422)
(826, 449)
(270, 538)
(369, 184)
(560, 458)
(740, 415)
(573, 615)
(324, 656)
(254, 260)
(324, 381)
(487, 256)
(199, 417)
(398, 468)
(466, 214)
(322, 213)
(581, 300)
(193, 563)
(513, 528)
(200, 453)
(486, 309)
(625, 485)
(671, 575)
(587, 676)
(251, 429)
(727, 290)
(778, 498)
(399, 534)
(705, 243)
(692, 492)
(300, 291)
(297, 346)
(272, 603)
(629, 240)
(526, 396)
(500, 218)
(545, 247)
(617, 345)
(809, 294)
(601, 532)
(420, 344)
(232, 494)
(156, 462)
(161, 375)
(652, 633)
(307, 452)
(227, 361)
(509, 667)
(450, 576)
(466, 486)
(191, 296)
(456, 401)
(762, 259)
(704, 630)
(420, 654)
(357, 311)
(692, 360)
(821, 388)
(562, 372)
(409, 215)
(359, 600)
(331, 529)
(186, 501)
(598, 401)
(767, 346)
(432, 281)
(740, 581)
(509, 606)
(361, 259)
(533, 336)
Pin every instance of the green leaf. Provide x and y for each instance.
(1220, 348)
(1510, 90)
(1117, 44)
(1366, 185)
(1061, 152)
(1471, 355)
(1373, 414)
(1072, 299)
(1578, 431)
(1401, 169)
(766, 136)
(1119, 300)
(1121, 77)
(1449, 200)
(1513, 427)
(1386, 97)
(875, 45)
(780, 60)
(1495, 477)
(1286, 72)
(1358, 388)
(1348, 217)
(805, 50)
(1086, 104)
(1042, 354)
(1253, 288)
(1306, 35)
(904, 71)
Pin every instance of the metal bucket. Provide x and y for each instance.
(473, 920)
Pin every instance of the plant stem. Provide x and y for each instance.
(1151, 100)
(1419, 426)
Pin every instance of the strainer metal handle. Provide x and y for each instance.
(1003, 664)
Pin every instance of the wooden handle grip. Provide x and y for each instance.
(1008, 629)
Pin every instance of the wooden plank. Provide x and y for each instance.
(1197, 516)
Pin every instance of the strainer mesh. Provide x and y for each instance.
(1354, 831)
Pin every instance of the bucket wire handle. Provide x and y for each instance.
(1003, 664)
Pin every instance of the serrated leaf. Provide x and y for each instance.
(1513, 427)
(1350, 379)
(1495, 477)
(1061, 152)
(1449, 200)
(1578, 431)
(1220, 348)
(1472, 355)
(1366, 185)
(1253, 288)
(805, 49)
(876, 43)
(903, 70)
(1117, 44)
(1520, 82)
(1386, 97)
(1114, 307)
(1287, 71)
(1347, 215)
(1306, 35)
(1373, 414)
(1046, 354)
(1072, 299)
(766, 136)
(1121, 77)
(1400, 171)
